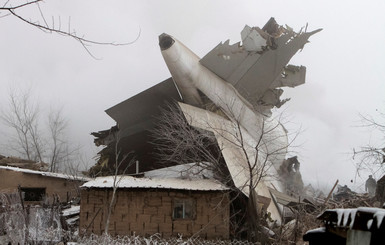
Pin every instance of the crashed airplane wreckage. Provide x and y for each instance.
(244, 83)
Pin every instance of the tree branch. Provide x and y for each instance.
(51, 29)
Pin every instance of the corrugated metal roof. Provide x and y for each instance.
(156, 183)
(48, 174)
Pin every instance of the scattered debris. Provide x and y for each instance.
(23, 163)
(343, 193)
(70, 214)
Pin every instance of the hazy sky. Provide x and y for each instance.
(345, 64)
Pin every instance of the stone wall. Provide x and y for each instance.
(10, 180)
(146, 212)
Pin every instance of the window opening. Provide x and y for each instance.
(32, 194)
(183, 209)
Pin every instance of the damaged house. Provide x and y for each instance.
(228, 94)
(161, 202)
(38, 187)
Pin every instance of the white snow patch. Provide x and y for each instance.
(370, 210)
(156, 183)
(71, 211)
(379, 216)
(184, 171)
(369, 224)
(49, 174)
(343, 216)
(72, 221)
(318, 230)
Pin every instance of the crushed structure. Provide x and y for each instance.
(230, 92)
(23, 163)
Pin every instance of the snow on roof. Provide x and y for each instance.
(48, 174)
(156, 183)
(181, 171)
(72, 221)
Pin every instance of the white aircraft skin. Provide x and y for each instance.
(190, 76)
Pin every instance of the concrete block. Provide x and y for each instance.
(143, 218)
(165, 227)
(150, 210)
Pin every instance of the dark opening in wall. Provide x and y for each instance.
(184, 208)
(33, 194)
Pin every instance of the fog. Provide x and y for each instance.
(345, 74)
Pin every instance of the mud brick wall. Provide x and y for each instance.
(9, 181)
(146, 212)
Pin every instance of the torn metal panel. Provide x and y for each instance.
(272, 28)
(284, 199)
(137, 113)
(135, 117)
(252, 40)
(291, 76)
(260, 63)
(229, 62)
(269, 66)
(271, 98)
(105, 137)
(226, 59)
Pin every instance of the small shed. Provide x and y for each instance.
(166, 206)
(37, 186)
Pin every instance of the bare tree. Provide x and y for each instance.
(10, 8)
(58, 146)
(371, 157)
(181, 140)
(34, 138)
(177, 142)
(118, 164)
(23, 116)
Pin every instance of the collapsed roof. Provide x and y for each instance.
(23, 163)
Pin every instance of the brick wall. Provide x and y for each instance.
(9, 181)
(145, 212)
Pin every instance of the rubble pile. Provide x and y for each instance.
(23, 163)
(308, 215)
(354, 201)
